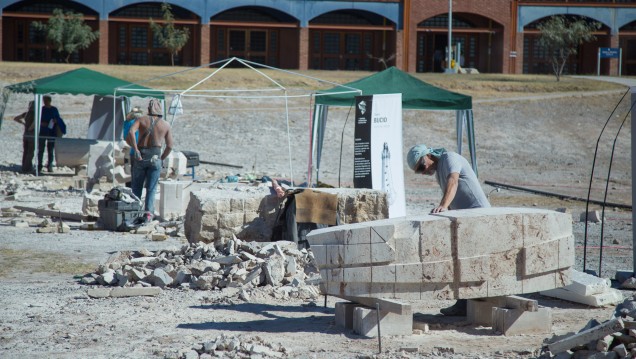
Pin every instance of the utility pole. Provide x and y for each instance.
(449, 56)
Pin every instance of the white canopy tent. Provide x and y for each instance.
(276, 90)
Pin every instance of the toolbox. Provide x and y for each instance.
(192, 158)
(118, 205)
(113, 219)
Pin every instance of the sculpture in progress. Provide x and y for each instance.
(463, 254)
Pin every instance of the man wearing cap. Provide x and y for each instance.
(148, 156)
(459, 184)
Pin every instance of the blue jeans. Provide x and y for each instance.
(145, 173)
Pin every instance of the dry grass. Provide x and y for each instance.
(476, 85)
(37, 262)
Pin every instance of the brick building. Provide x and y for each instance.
(495, 36)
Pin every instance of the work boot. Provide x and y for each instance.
(148, 217)
(456, 310)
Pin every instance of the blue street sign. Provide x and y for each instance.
(609, 52)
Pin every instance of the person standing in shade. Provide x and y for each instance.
(51, 126)
(460, 189)
(130, 119)
(154, 132)
(28, 141)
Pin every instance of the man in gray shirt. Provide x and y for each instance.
(460, 188)
(455, 176)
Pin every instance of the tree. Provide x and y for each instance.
(67, 32)
(168, 35)
(561, 38)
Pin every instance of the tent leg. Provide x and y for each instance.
(459, 119)
(470, 132)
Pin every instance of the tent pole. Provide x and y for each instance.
(291, 170)
(470, 131)
(38, 112)
(311, 144)
(112, 150)
(459, 122)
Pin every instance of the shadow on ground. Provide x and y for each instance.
(270, 318)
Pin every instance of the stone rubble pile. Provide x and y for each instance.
(231, 347)
(614, 338)
(247, 266)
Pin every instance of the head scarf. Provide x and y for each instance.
(418, 151)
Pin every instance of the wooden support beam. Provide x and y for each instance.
(57, 214)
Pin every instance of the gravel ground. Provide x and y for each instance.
(544, 143)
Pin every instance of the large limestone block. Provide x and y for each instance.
(475, 230)
(251, 213)
(213, 213)
(457, 254)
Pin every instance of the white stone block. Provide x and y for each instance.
(174, 198)
(365, 322)
(344, 314)
(609, 297)
(520, 322)
(586, 284)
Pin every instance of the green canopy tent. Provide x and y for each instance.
(416, 95)
(80, 81)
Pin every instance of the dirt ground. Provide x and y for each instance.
(540, 142)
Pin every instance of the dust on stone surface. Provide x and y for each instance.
(539, 143)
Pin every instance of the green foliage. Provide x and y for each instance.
(168, 35)
(561, 37)
(67, 32)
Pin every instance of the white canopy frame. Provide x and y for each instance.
(276, 92)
